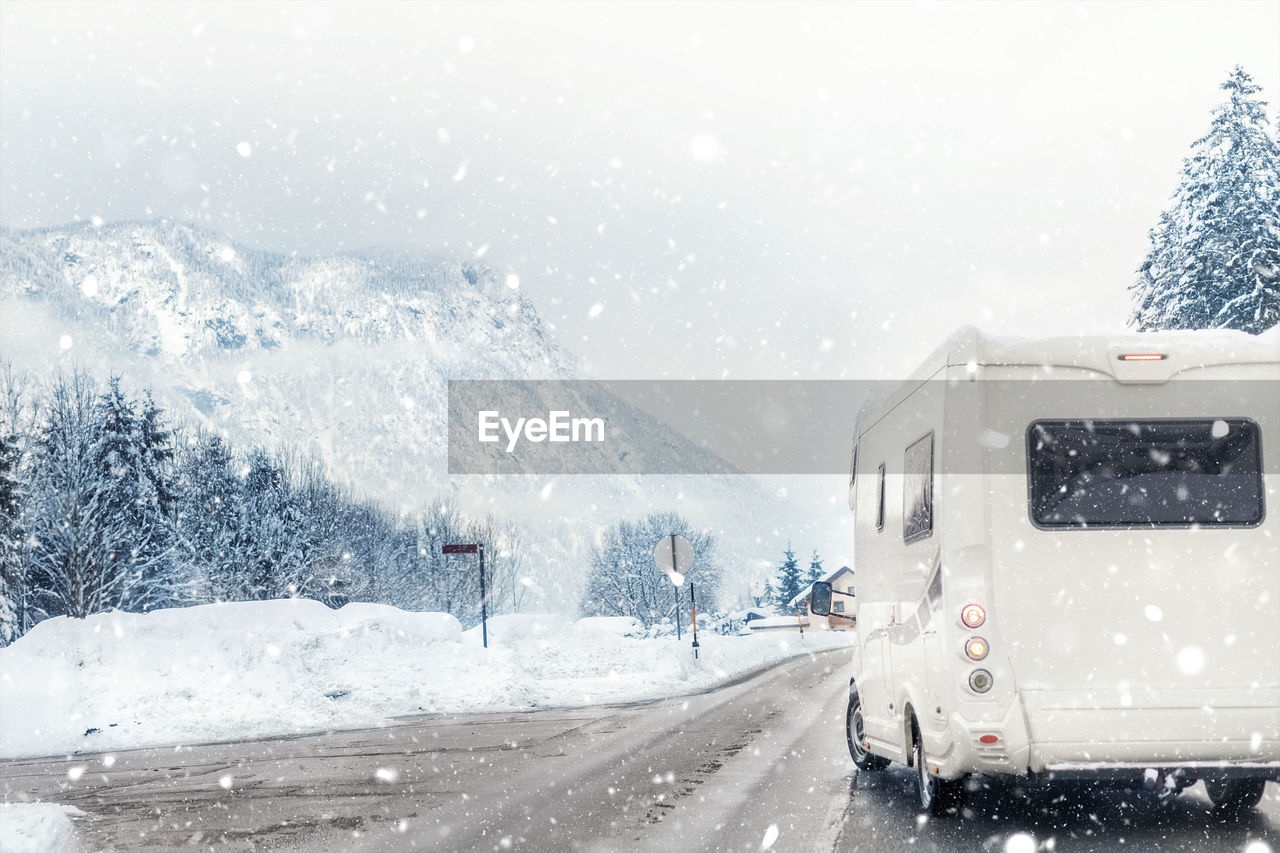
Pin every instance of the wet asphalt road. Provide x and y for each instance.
(725, 770)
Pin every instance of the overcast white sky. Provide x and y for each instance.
(754, 191)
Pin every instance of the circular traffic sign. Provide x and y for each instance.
(673, 555)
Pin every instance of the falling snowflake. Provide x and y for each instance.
(1191, 660)
(705, 148)
(1020, 842)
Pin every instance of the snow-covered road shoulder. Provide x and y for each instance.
(36, 827)
(255, 669)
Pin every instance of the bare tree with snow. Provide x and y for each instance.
(625, 582)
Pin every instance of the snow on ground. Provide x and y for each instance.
(251, 669)
(35, 827)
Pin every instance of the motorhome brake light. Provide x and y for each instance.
(980, 681)
(1143, 356)
(989, 739)
(973, 615)
(976, 648)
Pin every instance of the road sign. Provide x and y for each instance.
(472, 548)
(673, 556)
(460, 549)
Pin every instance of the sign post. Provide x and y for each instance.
(673, 556)
(693, 605)
(484, 610)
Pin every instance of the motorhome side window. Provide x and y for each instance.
(917, 490)
(880, 499)
(853, 483)
(1113, 473)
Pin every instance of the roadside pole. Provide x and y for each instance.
(693, 604)
(673, 555)
(675, 590)
(472, 548)
(484, 606)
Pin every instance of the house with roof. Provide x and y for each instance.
(843, 604)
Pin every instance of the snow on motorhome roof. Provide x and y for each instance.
(1182, 350)
(969, 345)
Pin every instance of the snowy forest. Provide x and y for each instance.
(106, 505)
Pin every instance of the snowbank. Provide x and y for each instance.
(226, 671)
(35, 827)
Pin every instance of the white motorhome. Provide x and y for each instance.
(1068, 553)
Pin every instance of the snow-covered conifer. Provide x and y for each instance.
(1214, 261)
(789, 581)
(816, 572)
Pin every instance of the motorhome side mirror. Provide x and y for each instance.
(820, 599)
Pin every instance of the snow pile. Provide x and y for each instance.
(250, 669)
(35, 827)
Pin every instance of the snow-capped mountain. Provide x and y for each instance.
(175, 291)
(346, 358)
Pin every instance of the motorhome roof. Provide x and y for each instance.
(1152, 356)
(968, 345)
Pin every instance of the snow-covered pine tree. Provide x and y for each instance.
(208, 518)
(10, 538)
(16, 416)
(762, 594)
(1214, 261)
(264, 543)
(789, 581)
(157, 455)
(74, 534)
(816, 572)
(131, 454)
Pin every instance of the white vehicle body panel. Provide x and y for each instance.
(1111, 648)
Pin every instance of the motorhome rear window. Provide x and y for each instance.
(1125, 473)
